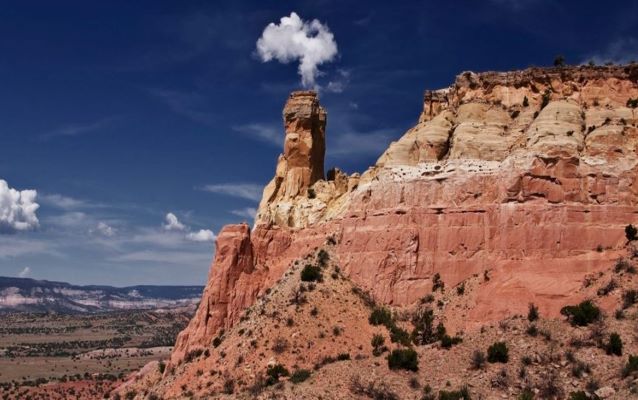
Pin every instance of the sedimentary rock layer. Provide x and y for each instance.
(527, 178)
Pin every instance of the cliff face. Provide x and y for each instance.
(526, 178)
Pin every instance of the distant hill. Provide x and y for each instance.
(31, 295)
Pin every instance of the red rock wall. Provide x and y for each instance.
(535, 230)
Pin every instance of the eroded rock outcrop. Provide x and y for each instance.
(529, 177)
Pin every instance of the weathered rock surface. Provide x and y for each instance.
(533, 193)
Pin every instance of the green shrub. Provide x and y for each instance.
(582, 314)
(614, 346)
(404, 359)
(478, 359)
(580, 395)
(532, 314)
(311, 273)
(447, 341)
(526, 394)
(631, 232)
(437, 283)
(377, 340)
(498, 352)
(460, 289)
(381, 316)
(323, 257)
(217, 341)
(274, 372)
(629, 298)
(461, 394)
(631, 366)
(299, 376)
(423, 332)
(343, 357)
(525, 101)
(229, 386)
(399, 335)
(161, 367)
(532, 330)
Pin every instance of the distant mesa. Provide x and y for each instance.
(30, 295)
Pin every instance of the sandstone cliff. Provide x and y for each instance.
(527, 178)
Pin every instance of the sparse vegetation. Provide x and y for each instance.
(280, 345)
(498, 352)
(403, 359)
(461, 394)
(377, 343)
(631, 232)
(229, 386)
(381, 316)
(437, 283)
(274, 372)
(311, 273)
(629, 298)
(478, 359)
(583, 314)
(532, 313)
(460, 289)
(373, 390)
(631, 366)
(559, 61)
(448, 341)
(300, 375)
(614, 345)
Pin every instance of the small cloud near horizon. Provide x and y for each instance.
(26, 272)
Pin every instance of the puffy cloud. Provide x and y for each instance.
(203, 235)
(248, 191)
(311, 43)
(105, 229)
(17, 209)
(172, 223)
(25, 272)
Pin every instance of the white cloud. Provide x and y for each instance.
(203, 235)
(293, 39)
(77, 129)
(621, 51)
(154, 256)
(338, 85)
(248, 191)
(173, 224)
(71, 219)
(267, 133)
(25, 272)
(248, 212)
(17, 209)
(105, 229)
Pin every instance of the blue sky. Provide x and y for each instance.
(118, 113)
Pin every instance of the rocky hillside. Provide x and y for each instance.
(30, 295)
(513, 188)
